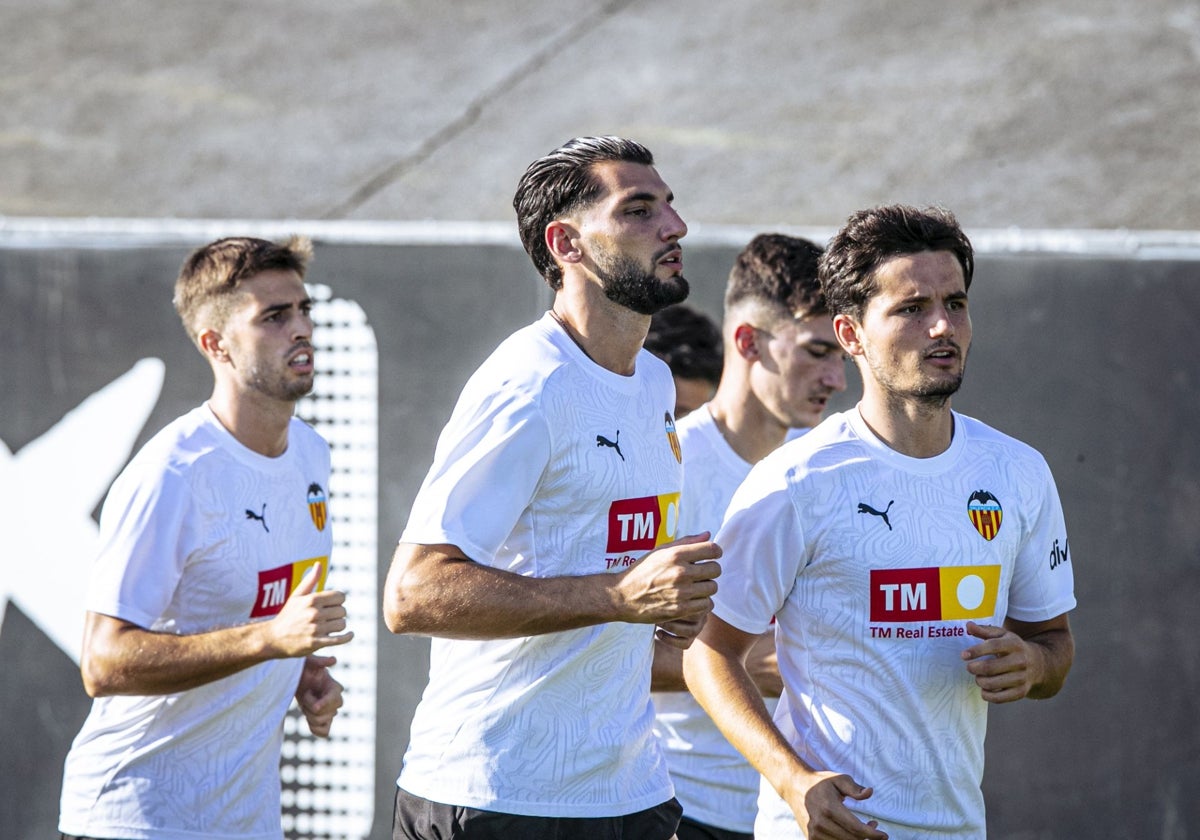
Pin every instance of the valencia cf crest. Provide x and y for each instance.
(673, 438)
(316, 506)
(986, 514)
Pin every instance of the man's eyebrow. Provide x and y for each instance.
(647, 196)
(280, 307)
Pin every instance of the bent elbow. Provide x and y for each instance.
(97, 679)
(392, 617)
(398, 610)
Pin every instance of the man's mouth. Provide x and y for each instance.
(945, 352)
(672, 259)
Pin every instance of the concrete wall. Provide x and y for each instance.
(1082, 348)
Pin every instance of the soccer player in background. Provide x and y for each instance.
(782, 363)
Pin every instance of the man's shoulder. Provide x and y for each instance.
(978, 433)
(697, 426)
(186, 437)
(302, 434)
(170, 456)
(826, 439)
(524, 362)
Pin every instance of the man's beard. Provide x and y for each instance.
(931, 392)
(627, 284)
(279, 386)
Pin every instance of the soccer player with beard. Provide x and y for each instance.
(541, 552)
(915, 561)
(192, 646)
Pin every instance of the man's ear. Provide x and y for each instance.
(562, 240)
(745, 341)
(848, 332)
(212, 345)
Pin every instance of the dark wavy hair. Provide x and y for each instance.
(560, 183)
(688, 341)
(872, 237)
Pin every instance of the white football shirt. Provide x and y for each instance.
(872, 563)
(550, 465)
(713, 782)
(198, 533)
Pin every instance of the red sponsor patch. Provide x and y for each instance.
(905, 594)
(275, 585)
(641, 524)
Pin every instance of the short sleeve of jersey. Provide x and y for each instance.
(762, 549)
(1043, 582)
(140, 562)
(486, 468)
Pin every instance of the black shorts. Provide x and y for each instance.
(419, 819)
(692, 830)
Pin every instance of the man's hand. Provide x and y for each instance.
(680, 632)
(318, 694)
(1021, 659)
(819, 808)
(309, 620)
(672, 586)
(1005, 666)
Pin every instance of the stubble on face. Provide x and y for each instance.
(627, 284)
(280, 384)
(262, 367)
(905, 360)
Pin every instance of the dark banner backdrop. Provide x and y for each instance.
(1081, 349)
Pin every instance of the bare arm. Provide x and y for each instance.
(1021, 659)
(666, 673)
(120, 657)
(436, 590)
(714, 667)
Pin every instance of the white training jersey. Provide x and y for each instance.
(872, 563)
(198, 533)
(713, 782)
(549, 466)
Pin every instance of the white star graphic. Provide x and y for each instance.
(48, 491)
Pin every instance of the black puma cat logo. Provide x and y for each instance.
(882, 514)
(261, 517)
(601, 440)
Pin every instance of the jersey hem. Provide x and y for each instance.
(540, 809)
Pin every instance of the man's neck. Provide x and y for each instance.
(608, 334)
(260, 426)
(749, 429)
(918, 429)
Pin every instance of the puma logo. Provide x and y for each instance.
(261, 517)
(601, 440)
(882, 514)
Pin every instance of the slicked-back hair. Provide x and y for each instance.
(688, 341)
(872, 237)
(560, 183)
(778, 273)
(211, 276)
